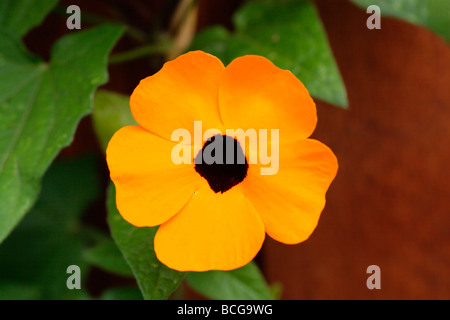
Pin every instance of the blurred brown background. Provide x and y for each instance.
(389, 205)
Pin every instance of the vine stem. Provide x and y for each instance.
(160, 47)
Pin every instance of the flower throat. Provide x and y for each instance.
(222, 163)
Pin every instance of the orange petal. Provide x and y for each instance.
(291, 201)
(150, 188)
(183, 91)
(213, 232)
(254, 93)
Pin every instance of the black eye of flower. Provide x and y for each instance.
(222, 163)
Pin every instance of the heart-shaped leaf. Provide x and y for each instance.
(40, 107)
(155, 280)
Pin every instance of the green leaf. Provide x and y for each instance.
(276, 290)
(19, 291)
(122, 294)
(36, 255)
(111, 112)
(290, 34)
(246, 283)
(433, 14)
(155, 280)
(107, 256)
(40, 107)
(20, 16)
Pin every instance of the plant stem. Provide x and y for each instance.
(139, 52)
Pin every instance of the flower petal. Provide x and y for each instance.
(214, 231)
(254, 93)
(183, 91)
(290, 202)
(150, 188)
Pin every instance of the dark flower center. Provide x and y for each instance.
(222, 163)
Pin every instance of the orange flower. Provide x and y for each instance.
(215, 216)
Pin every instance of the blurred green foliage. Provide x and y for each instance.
(122, 294)
(111, 112)
(433, 14)
(105, 255)
(290, 34)
(35, 257)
